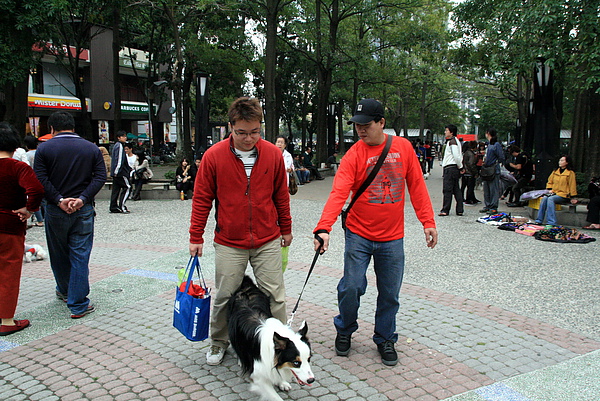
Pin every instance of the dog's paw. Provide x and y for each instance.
(285, 386)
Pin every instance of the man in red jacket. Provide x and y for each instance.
(246, 178)
(374, 226)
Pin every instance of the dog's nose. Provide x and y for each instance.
(311, 380)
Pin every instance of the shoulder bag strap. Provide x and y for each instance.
(373, 173)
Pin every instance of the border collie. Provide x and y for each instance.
(270, 352)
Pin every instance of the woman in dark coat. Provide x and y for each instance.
(21, 195)
(185, 181)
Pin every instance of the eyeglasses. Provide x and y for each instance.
(253, 134)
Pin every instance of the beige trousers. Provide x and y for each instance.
(230, 267)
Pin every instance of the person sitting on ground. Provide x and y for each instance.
(21, 194)
(562, 186)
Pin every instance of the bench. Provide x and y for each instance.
(569, 215)
(153, 189)
(326, 171)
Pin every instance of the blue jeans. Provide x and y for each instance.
(548, 209)
(389, 271)
(491, 192)
(303, 176)
(70, 238)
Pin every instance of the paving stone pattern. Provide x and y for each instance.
(128, 349)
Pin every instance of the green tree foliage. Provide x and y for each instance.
(502, 40)
(24, 24)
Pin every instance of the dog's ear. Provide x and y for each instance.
(303, 330)
(280, 342)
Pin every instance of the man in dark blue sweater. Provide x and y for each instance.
(121, 174)
(72, 171)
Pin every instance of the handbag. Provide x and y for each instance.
(368, 180)
(487, 173)
(148, 174)
(293, 185)
(191, 313)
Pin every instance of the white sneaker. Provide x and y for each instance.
(215, 355)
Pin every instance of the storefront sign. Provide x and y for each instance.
(130, 107)
(56, 102)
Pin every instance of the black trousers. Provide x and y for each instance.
(451, 187)
(518, 188)
(593, 215)
(468, 181)
(138, 189)
(119, 194)
(314, 171)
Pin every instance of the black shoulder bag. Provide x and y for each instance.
(368, 180)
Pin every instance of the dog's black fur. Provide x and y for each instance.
(249, 307)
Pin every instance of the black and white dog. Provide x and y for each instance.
(270, 352)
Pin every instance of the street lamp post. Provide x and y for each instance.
(201, 113)
(331, 129)
(544, 129)
(150, 96)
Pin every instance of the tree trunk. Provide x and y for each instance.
(13, 107)
(592, 162)
(422, 110)
(579, 129)
(341, 125)
(271, 110)
(188, 78)
(116, 47)
(323, 90)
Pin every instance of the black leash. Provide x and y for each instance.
(312, 266)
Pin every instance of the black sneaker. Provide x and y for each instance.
(388, 354)
(342, 344)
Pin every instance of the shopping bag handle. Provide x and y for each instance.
(194, 263)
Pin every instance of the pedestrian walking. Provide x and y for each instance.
(121, 173)
(370, 231)
(246, 179)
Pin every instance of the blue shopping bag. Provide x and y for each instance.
(191, 314)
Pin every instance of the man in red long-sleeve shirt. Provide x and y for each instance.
(375, 226)
(246, 178)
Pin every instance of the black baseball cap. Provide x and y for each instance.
(366, 111)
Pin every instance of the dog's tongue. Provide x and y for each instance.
(300, 382)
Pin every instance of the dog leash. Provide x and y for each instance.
(312, 266)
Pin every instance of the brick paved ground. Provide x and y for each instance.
(461, 330)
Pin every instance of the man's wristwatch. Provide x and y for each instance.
(60, 201)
